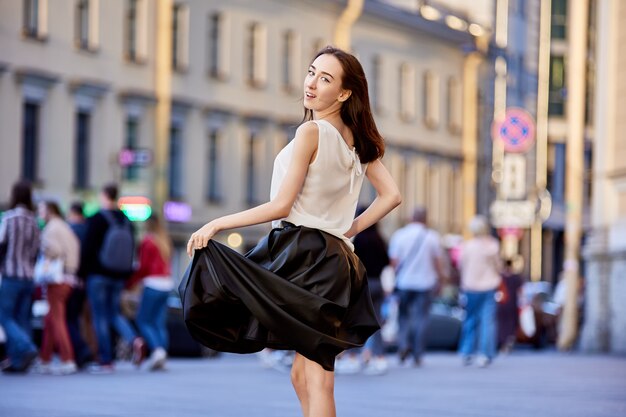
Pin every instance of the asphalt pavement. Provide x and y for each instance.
(523, 384)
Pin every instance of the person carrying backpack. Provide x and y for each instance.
(106, 263)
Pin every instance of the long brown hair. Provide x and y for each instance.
(155, 227)
(356, 112)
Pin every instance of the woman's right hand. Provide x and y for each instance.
(200, 238)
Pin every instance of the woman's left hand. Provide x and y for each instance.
(200, 238)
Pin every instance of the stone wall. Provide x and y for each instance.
(604, 326)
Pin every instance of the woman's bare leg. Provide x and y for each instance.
(298, 380)
(320, 385)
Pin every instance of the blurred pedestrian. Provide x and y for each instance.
(371, 249)
(58, 241)
(417, 255)
(508, 313)
(301, 287)
(107, 262)
(480, 278)
(19, 244)
(76, 302)
(155, 251)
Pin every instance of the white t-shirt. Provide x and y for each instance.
(417, 261)
(330, 192)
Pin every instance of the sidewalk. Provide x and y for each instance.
(524, 384)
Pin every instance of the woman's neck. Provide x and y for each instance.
(331, 114)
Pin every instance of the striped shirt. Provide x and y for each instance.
(19, 234)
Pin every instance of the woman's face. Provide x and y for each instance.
(322, 85)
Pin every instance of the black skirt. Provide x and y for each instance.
(299, 289)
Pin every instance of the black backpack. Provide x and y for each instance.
(117, 250)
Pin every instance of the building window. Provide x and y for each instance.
(375, 84)
(257, 55)
(454, 106)
(87, 24)
(559, 19)
(30, 140)
(253, 163)
(81, 164)
(135, 40)
(556, 101)
(180, 30)
(214, 44)
(218, 44)
(214, 190)
(291, 61)
(407, 92)
(131, 173)
(82, 24)
(556, 179)
(131, 30)
(431, 100)
(35, 19)
(175, 191)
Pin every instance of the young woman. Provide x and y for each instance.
(154, 271)
(58, 241)
(301, 287)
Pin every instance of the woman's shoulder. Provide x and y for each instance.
(309, 128)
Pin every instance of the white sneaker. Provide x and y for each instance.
(483, 361)
(43, 368)
(68, 368)
(376, 366)
(347, 366)
(157, 359)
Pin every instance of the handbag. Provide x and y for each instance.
(502, 293)
(48, 271)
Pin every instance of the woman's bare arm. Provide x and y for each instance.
(388, 197)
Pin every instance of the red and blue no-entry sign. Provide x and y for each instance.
(516, 130)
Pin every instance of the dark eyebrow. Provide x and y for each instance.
(323, 72)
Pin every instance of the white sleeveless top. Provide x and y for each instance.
(330, 192)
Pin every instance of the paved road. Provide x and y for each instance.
(520, 385)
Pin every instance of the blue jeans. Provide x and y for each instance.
(74, 311)
(151, 318)
(16, 299)
(480, 314)
(104, 297)
(413, 315)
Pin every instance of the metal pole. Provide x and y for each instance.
(576, 75)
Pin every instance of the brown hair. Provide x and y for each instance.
(53, 208)
(355, 111)
(161, 238)
(21, 194)
(111, 191)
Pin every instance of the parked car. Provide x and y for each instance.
(443, 331)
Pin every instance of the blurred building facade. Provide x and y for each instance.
(86, 81)
(604, 252)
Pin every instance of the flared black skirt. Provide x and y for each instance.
(299, 289)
